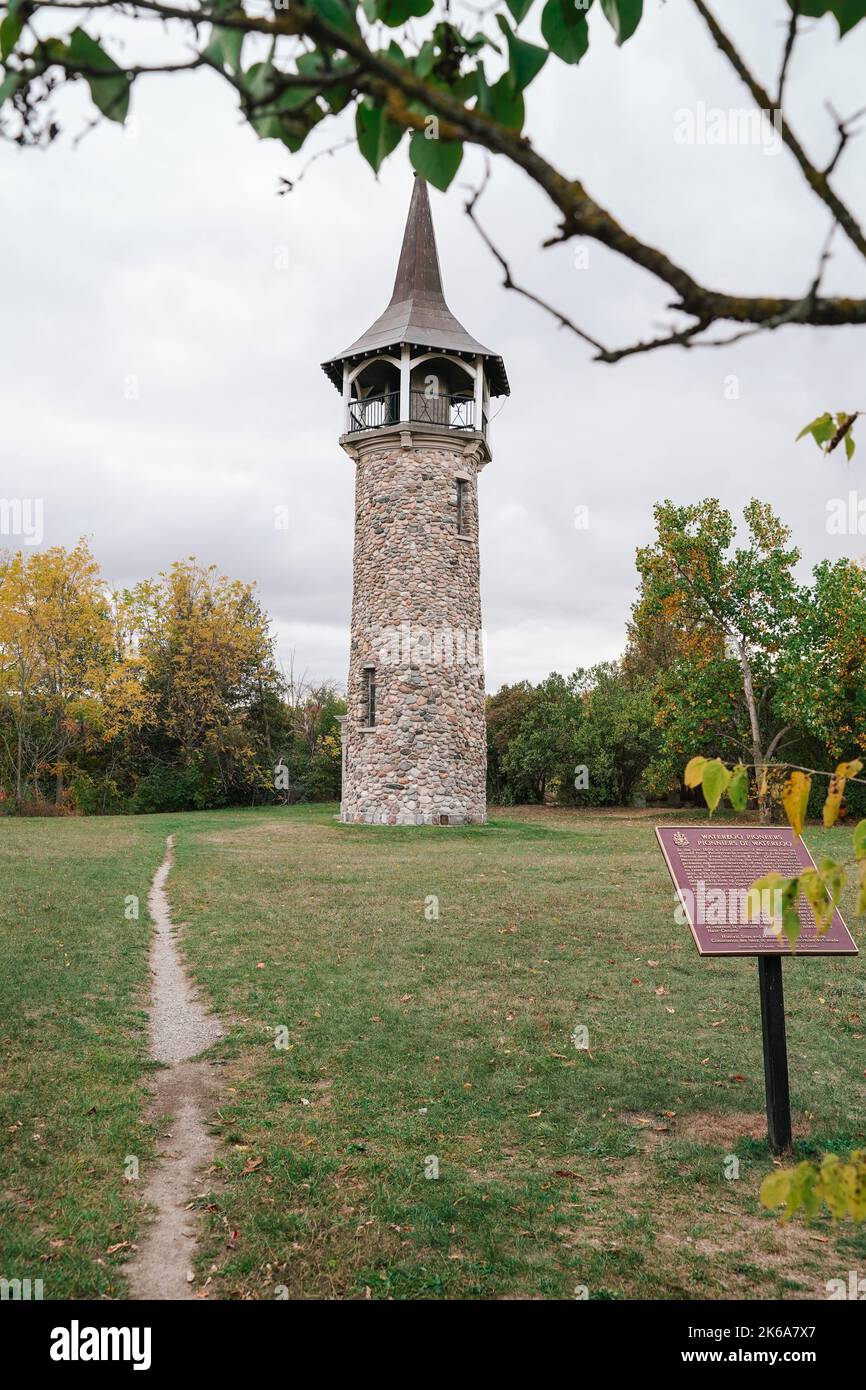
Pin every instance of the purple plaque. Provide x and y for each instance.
(713, 869)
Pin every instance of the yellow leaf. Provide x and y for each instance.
(694, 772)
(837, 789)
(795, 799)
(833, 804)
(818, 898)
(774, 1189)
(768, 885)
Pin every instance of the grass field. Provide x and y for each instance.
(412, 1045)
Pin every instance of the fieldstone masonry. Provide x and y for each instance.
(416, 620)
(416, 394)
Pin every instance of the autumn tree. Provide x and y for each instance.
(208, 657)
(733, 611)
(823, 664)
(56, 651)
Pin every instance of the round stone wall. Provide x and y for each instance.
(416, 635)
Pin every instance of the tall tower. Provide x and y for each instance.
(416, 391)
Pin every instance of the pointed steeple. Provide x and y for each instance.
(417, 313)
(418, 274)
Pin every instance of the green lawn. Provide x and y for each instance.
(414, 1045)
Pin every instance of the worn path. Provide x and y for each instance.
(180, 1029)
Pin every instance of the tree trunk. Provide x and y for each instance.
(764, 806)
(58, 776)
(18, 765)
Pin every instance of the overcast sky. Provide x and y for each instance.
(162, 257)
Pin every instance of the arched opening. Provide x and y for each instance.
(374, 395)
(442, 392)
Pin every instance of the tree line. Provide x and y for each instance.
(169, 696)
(727, 654)
(166, 696)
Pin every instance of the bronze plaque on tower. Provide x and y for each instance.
(713, 869)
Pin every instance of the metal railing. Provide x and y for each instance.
(376, 412)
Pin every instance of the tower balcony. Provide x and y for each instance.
(458, 411)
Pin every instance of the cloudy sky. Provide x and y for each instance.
(165, 314)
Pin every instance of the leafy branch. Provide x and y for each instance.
(443, 83)
(821, 886)
(834, 1183)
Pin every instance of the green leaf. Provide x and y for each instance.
(225, 47)
(504, 104)
(565, 29)
(396, 12)
(763, 890)
(378, 136)
(110, 92)
(335, 13)
(821, 429)
(835, 876)
(860, 840)
(425, 59)
(259, 80)
(847, 13)
(714, 780)
(311, 64)
(525, 59)
(436, 160)
(790, 914)
(519, 9)
(10, 84)
(10, 32)
(738, 788)
(624, 16)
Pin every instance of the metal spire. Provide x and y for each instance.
(417, 313)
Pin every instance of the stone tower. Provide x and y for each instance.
(416, 390)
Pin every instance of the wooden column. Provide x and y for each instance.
(405, 384)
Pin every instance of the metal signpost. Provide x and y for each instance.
(713, 869)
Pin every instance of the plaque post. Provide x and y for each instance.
(775, 1053)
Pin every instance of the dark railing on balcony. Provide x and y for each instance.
(376, 412)
(456, 412)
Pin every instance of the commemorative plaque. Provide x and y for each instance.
(713, 869)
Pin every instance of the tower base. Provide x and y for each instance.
(377, 816)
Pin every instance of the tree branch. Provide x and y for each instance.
(408, 99)
(816, 178)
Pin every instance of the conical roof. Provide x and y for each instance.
(417, 313)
